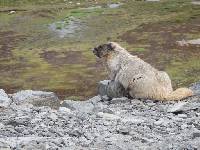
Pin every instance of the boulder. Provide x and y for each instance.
(111, 89)
(102, 87)
(37, 98)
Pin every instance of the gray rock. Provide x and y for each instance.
(105, 98)
(193, 103)
(94, 100)
(75, 132)
(5, 101)
(102, 87)
(64, 110)
(1, 126)
(108, 116)
(177, 107)
(133, 120)
(53, 116)
(78, 106)
(195, 87)
(111, 89)
(182, 115)
(115, 89)
(37, 98)
(4, 146)
(107, 110)
(184, 126)
(120, 100)
(196, 134)
(124, 130)
(159, 122)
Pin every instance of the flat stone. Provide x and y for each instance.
(159, 122)
(108, 116)
(182, 115)
(64, 110)
(119, 100)
(134, 120)
(79, 106)
(124, 130)
(177, 107)
(37, 98)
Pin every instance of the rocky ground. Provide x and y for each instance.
(98, 123)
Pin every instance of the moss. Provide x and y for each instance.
(184, 73)
(139, 49)
(75, 98)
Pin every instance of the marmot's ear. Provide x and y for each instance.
(111, 45)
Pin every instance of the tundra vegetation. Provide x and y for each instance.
(46, 44)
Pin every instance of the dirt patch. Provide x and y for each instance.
(55, 58)
(42, 13)
(161, 40)
(8, 41)
(86, 87)
(190, 27)
(9, 10)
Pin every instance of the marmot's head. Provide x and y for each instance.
(104, 49)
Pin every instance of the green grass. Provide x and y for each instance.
(184, 73)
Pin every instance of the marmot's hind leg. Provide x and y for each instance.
(143, 86)
(165, 81)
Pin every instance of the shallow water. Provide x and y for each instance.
(66, 29)
(114, 5)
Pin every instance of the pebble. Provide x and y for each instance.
(182, 115)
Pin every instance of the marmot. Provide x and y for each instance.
(139, 78)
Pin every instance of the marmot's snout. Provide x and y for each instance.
(95, 52)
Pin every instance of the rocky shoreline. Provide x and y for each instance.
(37, 120)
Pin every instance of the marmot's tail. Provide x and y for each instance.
(179, 94)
